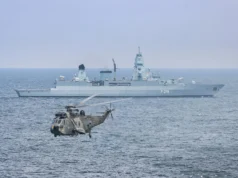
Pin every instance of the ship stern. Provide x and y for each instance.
(18, 92)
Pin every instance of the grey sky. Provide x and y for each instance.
(171, 33)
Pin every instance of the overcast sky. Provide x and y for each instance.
(170, 33)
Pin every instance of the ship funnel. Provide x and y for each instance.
(81, 74)
(81, 67)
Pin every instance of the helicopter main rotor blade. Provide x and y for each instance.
(82, 103)
(108, 102)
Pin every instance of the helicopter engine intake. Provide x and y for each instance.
(61, 115)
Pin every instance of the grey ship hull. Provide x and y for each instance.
(142, 84)
(190, 90)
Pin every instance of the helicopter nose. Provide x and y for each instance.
(54, 129)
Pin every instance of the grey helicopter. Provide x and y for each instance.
(74, 122)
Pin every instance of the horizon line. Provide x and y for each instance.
(109, 68)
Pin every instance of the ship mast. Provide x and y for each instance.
(139, 69)
(115, 69)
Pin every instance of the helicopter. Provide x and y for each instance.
(74, 122)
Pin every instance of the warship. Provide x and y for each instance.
(142, 84)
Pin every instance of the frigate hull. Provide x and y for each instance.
(142, 84)
(193, 90)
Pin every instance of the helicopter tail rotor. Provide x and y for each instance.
(110, 110)
(112, 116)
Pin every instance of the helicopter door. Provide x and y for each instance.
(62, 122)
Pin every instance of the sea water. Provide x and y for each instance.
(148, 137)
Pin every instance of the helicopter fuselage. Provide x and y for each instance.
(68, 123)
